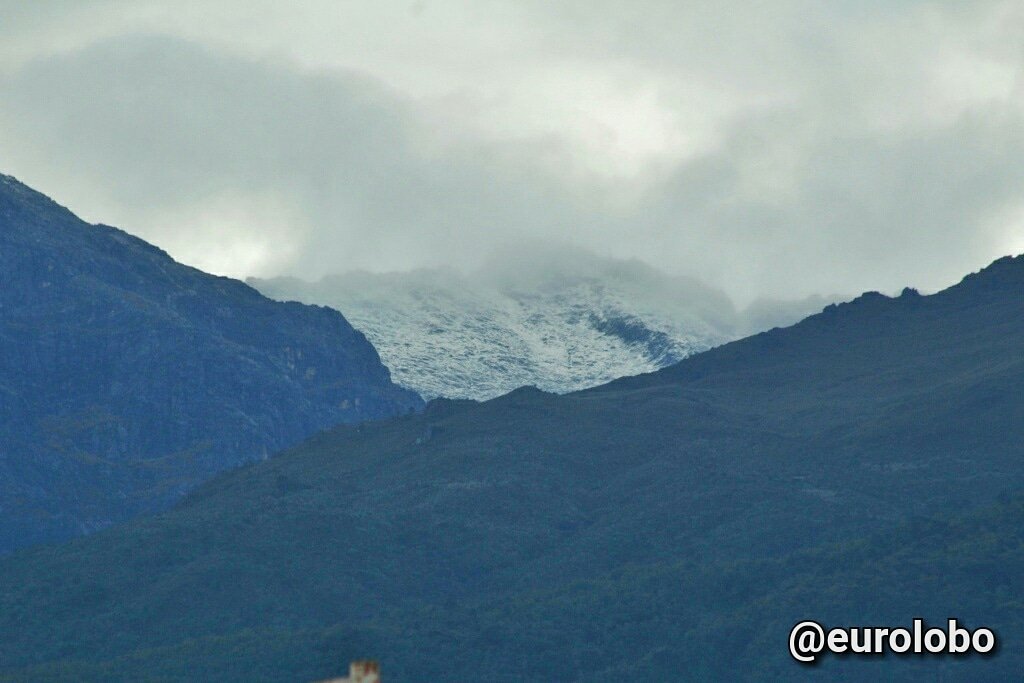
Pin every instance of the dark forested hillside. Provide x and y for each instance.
(669, 526)
(127, 378)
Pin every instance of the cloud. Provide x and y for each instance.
(776, 150)
(195, 149)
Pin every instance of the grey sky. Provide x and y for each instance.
(777, 148)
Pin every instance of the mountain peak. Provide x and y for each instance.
(128, 378)
(16, 195)
(1005, 272)
(562, 321)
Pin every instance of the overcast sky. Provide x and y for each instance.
(770, 148)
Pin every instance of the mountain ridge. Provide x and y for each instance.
(653, 526)
(126, 378)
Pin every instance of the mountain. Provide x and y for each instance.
(126, 378)
(860, 467)
(561, 320)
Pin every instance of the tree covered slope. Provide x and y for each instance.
(667, 526)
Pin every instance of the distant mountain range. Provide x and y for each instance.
(126, 378)
(561, 321)
(862, 467)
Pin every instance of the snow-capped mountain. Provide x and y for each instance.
(562, 323)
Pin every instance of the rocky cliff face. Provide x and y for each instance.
(126, 378)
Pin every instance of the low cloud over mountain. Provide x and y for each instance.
(558, 319)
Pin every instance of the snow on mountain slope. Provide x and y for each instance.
(560, 324)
